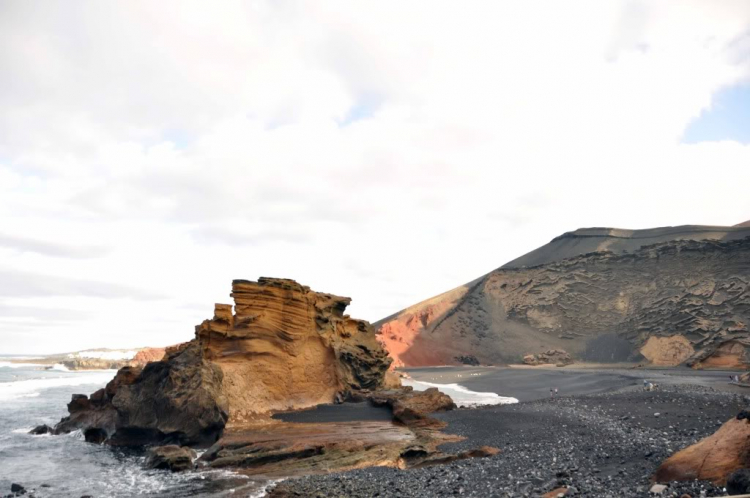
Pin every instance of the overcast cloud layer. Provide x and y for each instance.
(150, 152)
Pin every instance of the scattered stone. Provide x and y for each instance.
(17, 489)
(657, 489)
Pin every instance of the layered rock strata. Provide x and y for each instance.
(285, 347)
(663, 296)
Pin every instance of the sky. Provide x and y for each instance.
(151, 152)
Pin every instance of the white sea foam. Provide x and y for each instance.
(32, 387)
(461, 396)
(8, 364)
(105, 355)
(59, 367)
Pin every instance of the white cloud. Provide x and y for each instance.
(206, 142)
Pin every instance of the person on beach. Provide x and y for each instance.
(555, 391)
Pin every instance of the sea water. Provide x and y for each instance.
(66, 465)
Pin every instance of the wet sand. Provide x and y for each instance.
(346, 412)
(533, 383)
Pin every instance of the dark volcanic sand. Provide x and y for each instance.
(605, 444)
(347, 412)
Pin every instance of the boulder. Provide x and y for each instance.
(41, 429)
(713, 458)
(413, 408)
(170, 457)
(739, 482)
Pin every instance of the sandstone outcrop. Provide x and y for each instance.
(667, 296)
(284, 347)
(287, 347)
(714, 458)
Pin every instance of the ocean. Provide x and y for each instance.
(67, 466)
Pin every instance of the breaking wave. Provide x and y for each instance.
(461, 396)
(31, 387)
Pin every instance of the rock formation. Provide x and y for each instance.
(550, 357)
(285, 347)
(288, 347)
(664, 296)
(714, 458)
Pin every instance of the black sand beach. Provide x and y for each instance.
(603, 435)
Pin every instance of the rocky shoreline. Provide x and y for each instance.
(601, 445)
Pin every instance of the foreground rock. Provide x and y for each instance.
(714, 458)
(667, 296)
(285, 347)
(170, 457)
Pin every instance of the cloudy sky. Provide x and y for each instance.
(150, 152)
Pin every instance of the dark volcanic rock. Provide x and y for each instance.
(413, 408)
(739, 482)
(41, 429)
(662, 296)
(170, 457)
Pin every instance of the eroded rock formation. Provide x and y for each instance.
(285, 347)
(666, 296)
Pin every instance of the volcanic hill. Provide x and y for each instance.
(664, 296)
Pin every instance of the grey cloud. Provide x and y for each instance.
(25, 284)
(45, 248)
(8, 310)
(211, 234)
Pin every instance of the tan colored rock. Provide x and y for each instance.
(287, 347)
(713, 458)
(729, 355)
(667, 351)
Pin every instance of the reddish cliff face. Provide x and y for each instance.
(147, 355)
(664, 296)
(284, 347)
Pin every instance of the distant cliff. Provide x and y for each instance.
(99, 359)
(662, 296)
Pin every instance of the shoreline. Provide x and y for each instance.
(606, 443)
